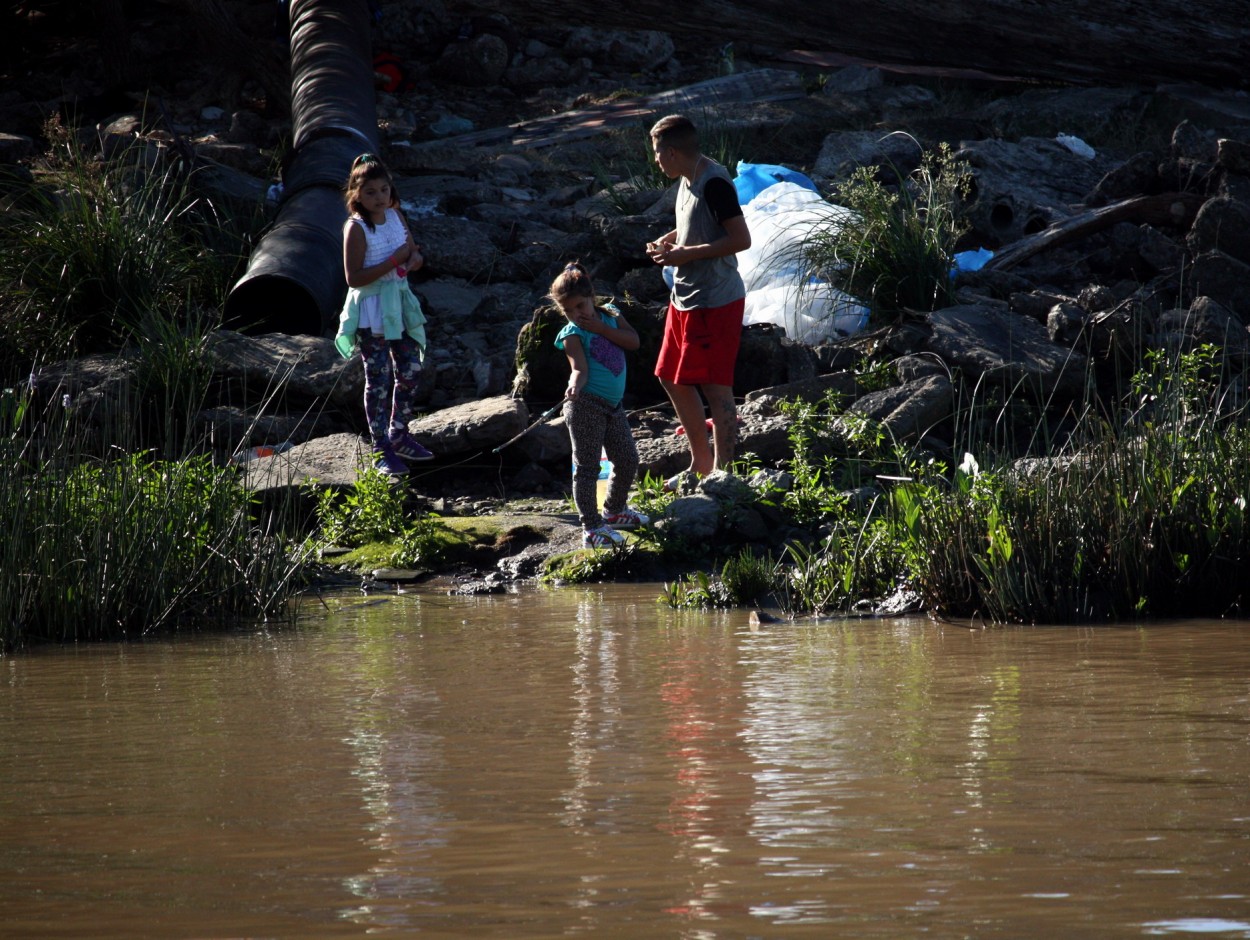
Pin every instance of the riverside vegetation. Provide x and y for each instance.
(118, 530)
(1131, 503)
(1127, 501)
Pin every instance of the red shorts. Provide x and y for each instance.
(700, 345)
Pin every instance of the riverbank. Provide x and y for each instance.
(1114, 219)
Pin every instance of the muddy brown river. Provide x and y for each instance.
(585, 762)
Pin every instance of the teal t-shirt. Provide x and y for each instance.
(605, 361)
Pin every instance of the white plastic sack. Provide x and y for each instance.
(779, 217)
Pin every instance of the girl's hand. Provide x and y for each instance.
(415, 259)
(590, 321)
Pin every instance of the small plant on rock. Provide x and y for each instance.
(895, 252)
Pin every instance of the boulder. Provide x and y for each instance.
(1204, 321)
(991, 343)
(1022, 188)
(910, 411)
(475, 63)
(764, 401)
(295, 368)
(843, 152)
(1223, 279)
(472, 426)
(630, 50)
(1222, 224)
(457, 247)
(336, 460)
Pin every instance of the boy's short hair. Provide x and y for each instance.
(677, 131)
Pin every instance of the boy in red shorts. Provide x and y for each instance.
(704, 322)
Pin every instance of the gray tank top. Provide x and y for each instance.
(709, 282)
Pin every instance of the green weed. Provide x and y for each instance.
(95, 252)
(895, 251)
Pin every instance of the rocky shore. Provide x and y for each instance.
(1118, 219)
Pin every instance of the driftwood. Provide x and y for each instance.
(1171, 209)
(1111, 41)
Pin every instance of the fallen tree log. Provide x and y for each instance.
(1113, 41)
(1170, 209)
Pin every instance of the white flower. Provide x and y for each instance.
(970, 465)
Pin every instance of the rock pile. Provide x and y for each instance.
(1100, 253)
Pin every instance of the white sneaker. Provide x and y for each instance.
(602, 537)
(627, 518)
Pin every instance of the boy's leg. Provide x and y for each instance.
(720, 401)
(688, 404)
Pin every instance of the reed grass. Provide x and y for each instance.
(120, 547)
(97, 251)
(116, 529)
(1142, 518)
(895, 250)
(1137, 509)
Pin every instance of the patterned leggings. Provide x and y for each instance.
(388, 401)
(594, 426)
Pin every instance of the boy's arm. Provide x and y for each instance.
(737, 238)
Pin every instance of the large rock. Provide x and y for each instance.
(474, 426)
(1223, 279)
(1022, 188)
(910, 411)
(992, 343)
(764, 401)
(455, 247)
(1222, 224)
(767, 358)
(766, 437)
(336, 460)
(476, 63)
(845, 151)
(1205, 321)
(303, 368)
(450, 300)
(633, 50)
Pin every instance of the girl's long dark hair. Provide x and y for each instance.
(366, 167)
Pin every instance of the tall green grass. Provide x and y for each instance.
(1145, 517)
(96, 253)
(895, 251)
(1142, 515)
(123, 546)
(1139, 509)
(115, 527)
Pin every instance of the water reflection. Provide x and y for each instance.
(390, 712)
(585, 762)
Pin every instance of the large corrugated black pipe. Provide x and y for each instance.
(294, 279)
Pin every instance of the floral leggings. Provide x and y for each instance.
(392, 370)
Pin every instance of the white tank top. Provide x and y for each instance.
(380, 244)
